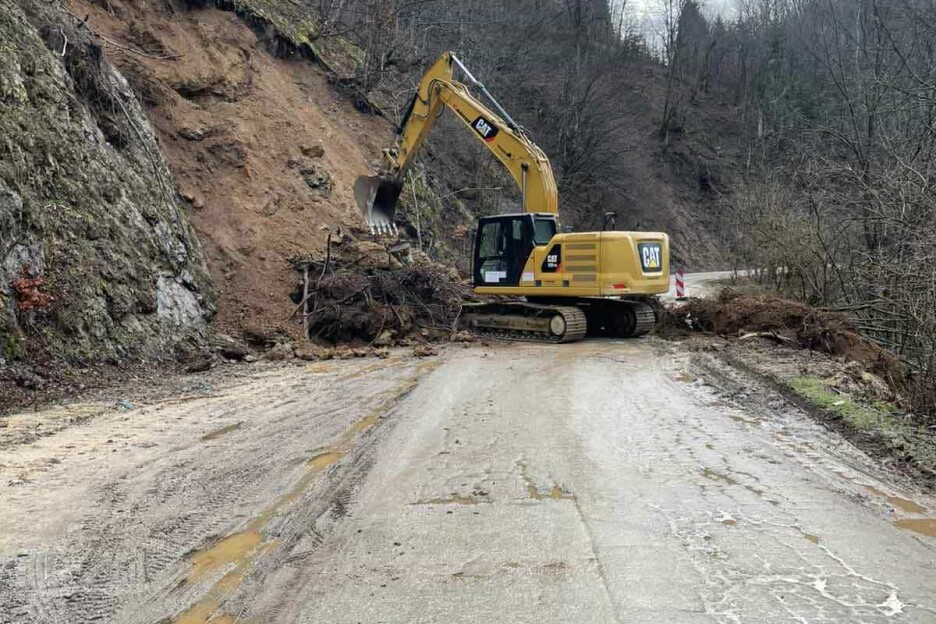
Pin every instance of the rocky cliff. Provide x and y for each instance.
(97, 260)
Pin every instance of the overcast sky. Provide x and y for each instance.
(648, 14)
(649, 8)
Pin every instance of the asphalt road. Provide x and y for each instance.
(700, 284)
(599, 482)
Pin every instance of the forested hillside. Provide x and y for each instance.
(585, 85)
(791, 136)
(837, 203)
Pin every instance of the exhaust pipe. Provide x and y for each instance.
(377, 199)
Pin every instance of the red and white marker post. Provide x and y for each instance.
(680, 285)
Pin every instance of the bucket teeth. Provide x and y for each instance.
(384, 228)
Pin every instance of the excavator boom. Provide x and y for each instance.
(488, 122)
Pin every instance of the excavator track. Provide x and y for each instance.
(618, 318)
(615, 318)
(526, 322)
(645, 317)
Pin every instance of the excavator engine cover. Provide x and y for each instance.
(377, 198)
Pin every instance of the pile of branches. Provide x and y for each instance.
(353, 302)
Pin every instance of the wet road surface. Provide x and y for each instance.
(587, 484)
(604, 481)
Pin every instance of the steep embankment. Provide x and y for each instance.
(260, 144)
(97, 260)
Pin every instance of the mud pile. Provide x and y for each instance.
(361, 293)
(732, 314)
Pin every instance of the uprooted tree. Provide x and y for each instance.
(360, 293)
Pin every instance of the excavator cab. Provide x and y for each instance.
(503, 245)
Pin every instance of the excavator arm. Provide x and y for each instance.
(487, 121)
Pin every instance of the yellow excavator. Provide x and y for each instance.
(561, 285)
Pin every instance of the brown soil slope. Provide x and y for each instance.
(262, 147)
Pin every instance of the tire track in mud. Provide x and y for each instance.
(321, 495)
(129, 557)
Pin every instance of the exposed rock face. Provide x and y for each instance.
(87, 204)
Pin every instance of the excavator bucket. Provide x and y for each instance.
(377, 198)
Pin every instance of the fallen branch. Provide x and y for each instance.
(158, 57)
(306, 293)
(769, 335)
(305, 297)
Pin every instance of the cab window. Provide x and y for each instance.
(543, 230)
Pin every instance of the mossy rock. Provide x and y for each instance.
(89, 190)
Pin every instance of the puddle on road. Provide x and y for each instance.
(201, 612)
(729, 522)
(324, 460)
(923, 526)
(747, 421)
(366, 423)
(217, 433)
(370, 368)
(554, 492)
(809, 537)
(240, 549)
(231, 549)
(903, 504)
(359, 372)
(714, 475)
(454, 499)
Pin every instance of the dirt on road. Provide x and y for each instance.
(604, 481)
(140, 513)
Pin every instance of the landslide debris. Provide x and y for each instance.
(362, 293)
(746, 316)
(97, 260)
(817, 360)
